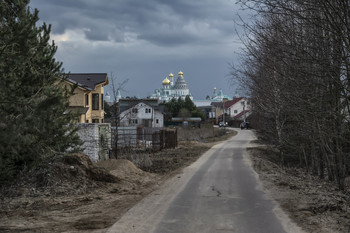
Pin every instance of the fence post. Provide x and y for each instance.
(161, 139)
(175, 137)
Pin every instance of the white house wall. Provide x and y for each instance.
(158, 116)
(239, 107)
(141, 115)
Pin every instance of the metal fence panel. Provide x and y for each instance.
(143, 138)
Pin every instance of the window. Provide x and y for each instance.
(133, 121)
(134, 110)
(148, 110)
(95, 121)
(235, 111)
(157, 121)
(86, 99)
(95, 101)
(102, 101)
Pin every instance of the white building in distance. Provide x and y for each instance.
(171, 90)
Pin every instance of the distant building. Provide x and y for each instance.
(107, 97)
(141, 112)
(238, 108)
(171, 90)
(114, 98)
(219, 97)
(216, 97)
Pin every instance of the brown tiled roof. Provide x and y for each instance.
(232, 102)
(241, 114)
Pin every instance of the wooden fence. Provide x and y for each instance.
(142, 139)
(166, 138)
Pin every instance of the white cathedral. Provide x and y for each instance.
(172, 90)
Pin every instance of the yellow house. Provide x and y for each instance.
(88, 96)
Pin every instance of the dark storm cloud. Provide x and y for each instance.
(158, 22)
(145, 40)
(167, 39)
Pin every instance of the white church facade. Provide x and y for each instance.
(171, 89)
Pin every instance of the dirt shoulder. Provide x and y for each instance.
(71, 194)
(315, 205)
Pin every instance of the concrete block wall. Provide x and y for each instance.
(90, 134)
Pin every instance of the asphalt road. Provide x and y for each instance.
(218, 193)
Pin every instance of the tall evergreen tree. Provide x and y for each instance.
(189, 105)
(33, 122)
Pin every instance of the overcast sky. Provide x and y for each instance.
(144, 40)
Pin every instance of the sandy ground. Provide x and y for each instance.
(71, 194)
(315, 205)
(90, 208)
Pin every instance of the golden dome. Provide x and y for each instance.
(180, 73)
(166, 81)
(214, 88)
(171, 75)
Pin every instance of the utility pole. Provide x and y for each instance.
(243, 103)
(223, 112)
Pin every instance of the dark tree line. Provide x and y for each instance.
(296, 65)
(182, 108)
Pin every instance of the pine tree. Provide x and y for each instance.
(183, 108)
(33, 122)
(189, 105)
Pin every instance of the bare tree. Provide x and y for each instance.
(115, 116)
(296, 65)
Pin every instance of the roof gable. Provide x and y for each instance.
(140, 105)
(88, 81)
(233, 102)
(125, 104)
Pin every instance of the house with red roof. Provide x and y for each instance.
(238, 108)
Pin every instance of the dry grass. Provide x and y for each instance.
(206, 133)
(315, 205)
(193, 142)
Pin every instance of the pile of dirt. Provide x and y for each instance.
(121, 165)
(59, 175)
(72, 194)
(126, 170)
(315, 205)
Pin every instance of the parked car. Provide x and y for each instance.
(244, 125)
(222, 124)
